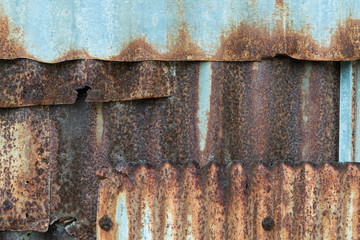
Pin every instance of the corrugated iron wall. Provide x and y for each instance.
(178, 119)
(273, 110)
(285, 201)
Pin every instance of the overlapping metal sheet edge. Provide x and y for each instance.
(269, 110)
(28, 82)
(284, 201)
(231, 30)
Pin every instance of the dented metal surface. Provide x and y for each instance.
(231, 30)
(273, 110)
(27, 82)
(284, 201)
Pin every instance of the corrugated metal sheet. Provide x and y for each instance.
(270, 110)
(285, 201)
(27, 82)
(230, 30)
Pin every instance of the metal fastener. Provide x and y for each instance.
(106, 223)
(268, 223)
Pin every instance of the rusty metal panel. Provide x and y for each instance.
(27, 82)
(24, 169)
(284, 201)
(231, 30)
(280, 109)
(269, 110)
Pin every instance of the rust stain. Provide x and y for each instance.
(286, 200)
(183, 47)
(9, 48)
(73, 55)
(346, 41)
(24, 169)
(137, 50)
(248, 43)
(243, 42)
(88, 141)
(27, 82)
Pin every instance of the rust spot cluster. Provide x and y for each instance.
(270, 111)
(256, 201)
(27, 82)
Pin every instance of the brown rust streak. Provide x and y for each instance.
(183, 47)
(243, 42)
(137, 50)
(299, 198)
(24, 168)
(9, 48)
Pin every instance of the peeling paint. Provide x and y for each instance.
(122, 217)
(204, 101)
(305, 201)
(231, 30)
(86, 142)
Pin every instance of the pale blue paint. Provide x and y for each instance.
(320, 17)
(103, 28)
(189, 227)
(146, 224)
(345, 112)
(204, 102)
(169, 231)
(122, 217)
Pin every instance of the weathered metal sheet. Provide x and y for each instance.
(349, 144)
(272, 110)
(269, 110)
(24, 169)
(27, 82)
(231, 30)
(285, 201)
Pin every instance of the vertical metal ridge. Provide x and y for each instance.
(296, 201)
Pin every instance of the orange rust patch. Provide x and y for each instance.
(345, 43)
(183, 47)
(137, 50)
(279, 3)
(9, 48)
(74, 55)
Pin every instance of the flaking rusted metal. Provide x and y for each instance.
(27, 82)
(24, 169)
(217, 112)
(298, 200)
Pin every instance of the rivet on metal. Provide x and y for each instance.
(268, 223)
(106, 223)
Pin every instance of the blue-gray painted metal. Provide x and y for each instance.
(349, 142)
(47, 30)
(345, 112)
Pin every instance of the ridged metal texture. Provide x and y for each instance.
(272, 110)
(285, 201)
(231, 30)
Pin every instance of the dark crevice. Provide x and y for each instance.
(56, 231)
(82, 94)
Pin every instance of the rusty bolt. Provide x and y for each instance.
(106, 223)
(268, 223)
